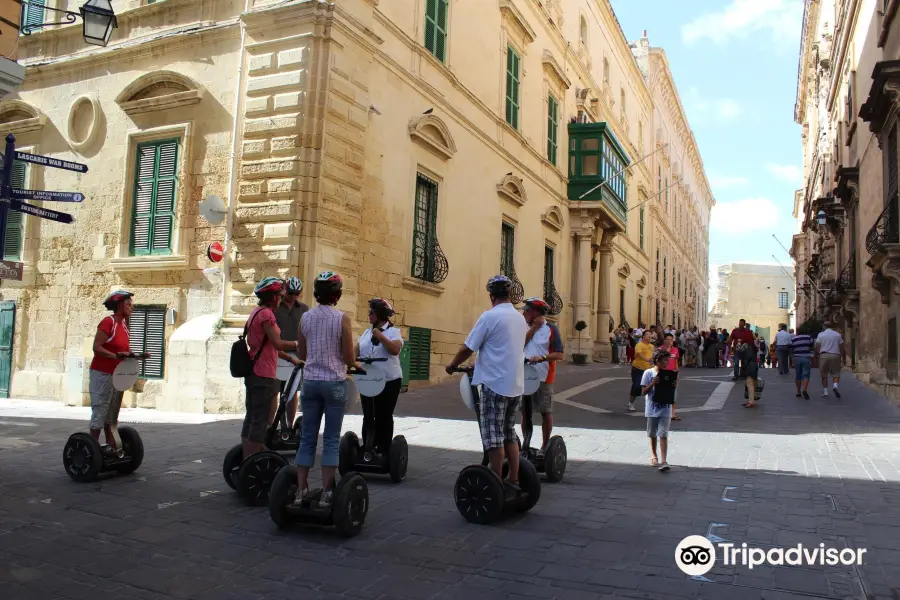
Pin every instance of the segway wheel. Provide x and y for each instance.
(348, 452)
(82, 457)
(133, 447)
(398, 459)
(350, 505)
(256, 475)
(555, 459)
(530, 482)
(281, 494)
(478, 494)
(231, 465)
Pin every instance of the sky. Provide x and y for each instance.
(735, 67)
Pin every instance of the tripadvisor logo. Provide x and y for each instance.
(695, 555)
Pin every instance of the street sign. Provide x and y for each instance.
(51, 162)
(43, 213)
(47, 196)
(10, 270)
(215, 252)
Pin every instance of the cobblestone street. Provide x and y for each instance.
(792, 471)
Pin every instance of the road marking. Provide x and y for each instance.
(166, 505)
(18, 424)
(716, 400)
(44, 501)
(563, 397)
(15, 443)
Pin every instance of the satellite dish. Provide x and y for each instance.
(213, 209)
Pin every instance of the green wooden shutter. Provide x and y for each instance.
(33, 13)
(420, 354)
(7, 337)
(155, 188)
(15, 231)
(512, 87)
(436, 28)
(147, 329)
(552, 128)
(642, 228)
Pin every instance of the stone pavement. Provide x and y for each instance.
(791, 471)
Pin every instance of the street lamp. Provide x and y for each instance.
(821, 219)
(99, 20)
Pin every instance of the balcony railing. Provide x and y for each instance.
(885, 230)
(517, 293)
(552, 297)
(847, 279)
(429, 262)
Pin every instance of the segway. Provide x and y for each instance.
(362, 457)
(349, 504)
(552, 460)
(85, 459)
(479, 494)
(253, 477)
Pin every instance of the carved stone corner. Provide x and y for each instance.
(850, 307)
(886, 272)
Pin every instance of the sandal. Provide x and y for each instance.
(654, 462)
(676, 418)
(748, 405)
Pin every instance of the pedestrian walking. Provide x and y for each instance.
(783, 349)
(741, 335)
(801, 349)
(657, 409)
(643, 360)
(831, 354)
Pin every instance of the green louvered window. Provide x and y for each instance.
(436, 28)
(33, 14)
(155, 190)
(512, 87)
(419, 354)
(552, 129)
(642, 228)
(15, 230)
(147, 333)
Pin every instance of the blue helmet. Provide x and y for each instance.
(499, 285)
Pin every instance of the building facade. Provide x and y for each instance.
(415, 146)
(847, 249)
(762, 294)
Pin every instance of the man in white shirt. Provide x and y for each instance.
(830, 354)
(498, 340)
(783, 349)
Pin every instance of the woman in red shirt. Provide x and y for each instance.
(111, 346)
(266, 347)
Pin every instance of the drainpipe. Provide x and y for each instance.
(232, 169)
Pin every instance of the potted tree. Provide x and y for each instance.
(579, 358)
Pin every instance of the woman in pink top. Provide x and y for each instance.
(326, 344)
(669, 346)
(265, 346)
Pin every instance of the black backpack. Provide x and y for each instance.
(241, 363)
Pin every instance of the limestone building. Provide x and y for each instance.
(762, 294)
(847, 249)
(415, 146)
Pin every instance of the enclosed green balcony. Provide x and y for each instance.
(595, 158)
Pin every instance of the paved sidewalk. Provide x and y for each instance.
(790, 471)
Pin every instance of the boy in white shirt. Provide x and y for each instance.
(659, 416)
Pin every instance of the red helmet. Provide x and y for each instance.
(538, 304)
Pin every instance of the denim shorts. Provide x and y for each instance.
(658, 427)
(802, 367)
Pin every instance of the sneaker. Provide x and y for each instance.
(824, 393)
(631, 407)
(301, 497)
(799, 395)
(325, 499)
(805, 395)
(836, 392)
(664, 467)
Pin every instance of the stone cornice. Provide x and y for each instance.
(666, 85)
(846, 26)
(510, 13)
(810, 20)
(551, 67)
(884, 96)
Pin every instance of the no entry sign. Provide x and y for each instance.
(215, 252)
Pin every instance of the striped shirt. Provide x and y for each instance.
(321, 327)
(801, 346)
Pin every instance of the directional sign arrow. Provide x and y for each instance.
(43, 213)
(51, 162)
(47, 196)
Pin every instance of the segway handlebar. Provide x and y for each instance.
(137, 355)
(355, 371)
(468, 370)
(528, 361)
(369, 361)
